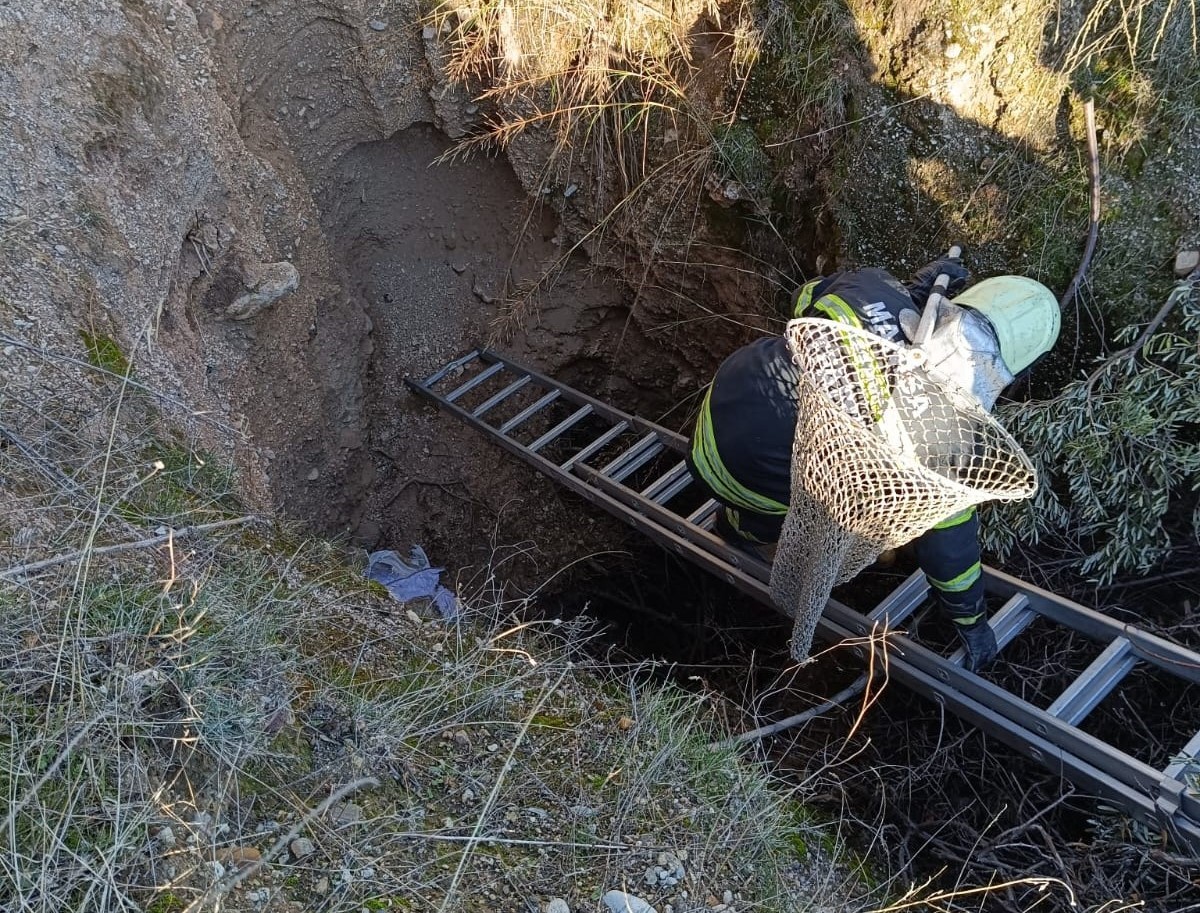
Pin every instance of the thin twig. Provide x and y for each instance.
(187, 532)
(1089, 112)
(224, 887)
(1181, 291)
(798, 719)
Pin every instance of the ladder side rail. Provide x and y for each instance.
(1088, 748)
(1138, 802)
(1169, 657)
(1099, 754)
(673, 439)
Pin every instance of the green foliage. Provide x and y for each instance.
(104, 352)
(1118, 454)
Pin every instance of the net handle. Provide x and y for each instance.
(936, 294)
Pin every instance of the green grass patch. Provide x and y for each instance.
(104, 352)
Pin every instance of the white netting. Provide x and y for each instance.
(884, 450)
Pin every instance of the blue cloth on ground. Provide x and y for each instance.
(412, 579)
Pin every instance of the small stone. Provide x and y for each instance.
(468, 795)
(461, 739)
(313, 474)
(378, 25)
(1186, 262)
(429, 33)
(651, 876)
(165, 838)
(727, 897)
(570, 190)
(493, 747)
(345, 813)
(952, 50)
(459, 268)
(472, 109)
(61, 249)
(301, 847)
(322, 886)
(558, 905)
(620, 902)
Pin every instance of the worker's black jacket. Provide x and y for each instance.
(742, 445)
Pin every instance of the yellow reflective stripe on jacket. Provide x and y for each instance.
(959, 518)
(962, 582)
(872, 380)
(712, 470)
(804, 298)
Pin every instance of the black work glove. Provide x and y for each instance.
(979, 642)
(921, 284)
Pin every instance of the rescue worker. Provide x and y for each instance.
(741, 449)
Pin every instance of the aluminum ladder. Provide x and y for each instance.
(615, 461)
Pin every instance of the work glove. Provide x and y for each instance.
(921, 284)
(979, 642)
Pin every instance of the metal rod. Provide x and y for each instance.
(441, 372)
(936, 294)
(529, 411)
(625, 456)
(1094, 683)
(561, 428)
(474, 382)
(493, 401)
(664, 481)
(597, 445)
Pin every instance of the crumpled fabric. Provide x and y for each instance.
(413, 578)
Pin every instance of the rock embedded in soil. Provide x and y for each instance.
(301, 847)
(558, 905)
(620, 902)
(268, 282)
(1186, 262)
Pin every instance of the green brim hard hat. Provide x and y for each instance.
(1024, 313)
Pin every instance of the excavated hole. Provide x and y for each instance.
(428, 249)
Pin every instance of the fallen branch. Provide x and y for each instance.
(1181, 291)
(799, 719)
(24, 570)
(1089, 113)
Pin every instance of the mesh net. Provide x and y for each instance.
(884, 450)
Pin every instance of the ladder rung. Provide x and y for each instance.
(567, 423)
(492, 401)
(474, 382)
(1095, 682)
(441, 372)
(902, 601)
(704, 515)
(597, 445)
(1013, 618)
(663, 482)
(637, 462)
(618, 462)
(674, 488)
(529, 410)
(1182, 760)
